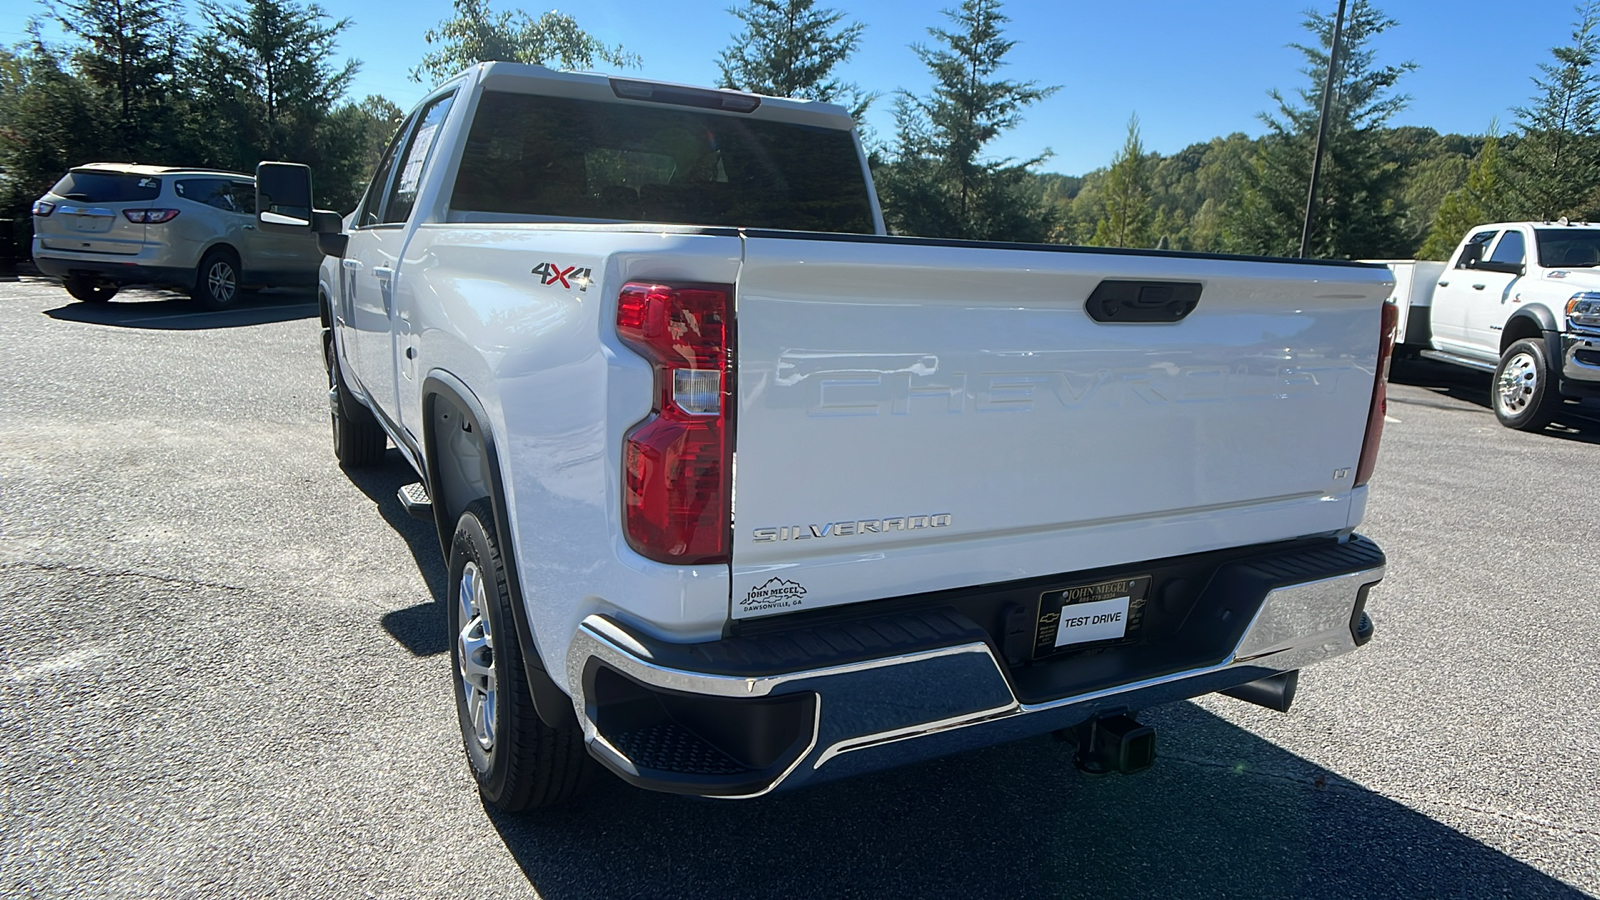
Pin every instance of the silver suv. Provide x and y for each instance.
(106, 225)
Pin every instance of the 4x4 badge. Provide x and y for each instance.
(552, 273)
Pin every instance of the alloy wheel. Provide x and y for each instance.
(221, 282)
(475, 656)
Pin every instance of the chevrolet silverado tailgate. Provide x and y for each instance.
(919, 415)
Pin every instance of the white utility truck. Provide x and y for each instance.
(740, 493)
(1518, 299)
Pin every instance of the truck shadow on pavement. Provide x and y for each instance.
(166, 311)
(1222, 814)
(1575, 422)
(421, 629)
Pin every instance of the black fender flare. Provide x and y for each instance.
(1541, 316)
(551, 702)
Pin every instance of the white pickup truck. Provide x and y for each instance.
(740, 493)
(1519, 299)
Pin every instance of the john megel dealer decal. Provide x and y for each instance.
(776, 593)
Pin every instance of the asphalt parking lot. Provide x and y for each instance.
(222, 673)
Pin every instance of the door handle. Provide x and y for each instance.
(249, 228)
(1444, 284)
(1477, 287)
(384, 273)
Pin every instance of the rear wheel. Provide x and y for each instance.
(96, 292)
(358, 439)
(216, 280)
(518, 761)
(1525, 396)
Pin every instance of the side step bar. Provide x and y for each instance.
(1456, 360)
(414, 497)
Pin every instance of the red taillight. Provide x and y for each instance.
(1380, 395)
(676, 464)
(42, 208)
(150, 216)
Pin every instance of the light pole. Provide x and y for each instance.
(1322, 129)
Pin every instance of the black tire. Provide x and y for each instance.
(518, 761)
(216, 279)
(1524, 390)
(358, 439)
(93, 292)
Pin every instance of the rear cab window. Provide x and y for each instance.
(581, 160)
(107, 187)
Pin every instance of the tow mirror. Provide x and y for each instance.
(329, 228)
(1471, 255)
(283, 197)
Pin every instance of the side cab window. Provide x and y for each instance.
(419, 148)
(1513, 248)
(1473, 249)
(370, 212)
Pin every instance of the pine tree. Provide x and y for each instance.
(1555, 167)
(937, 182)
(1482, 199)
(474, 35)
(1357, 210)
(353, 137)
(1126, 215)
(128, 52)
(789, 48)
(277, 56)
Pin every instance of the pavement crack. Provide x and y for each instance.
(101, 573)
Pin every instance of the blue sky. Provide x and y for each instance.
(1190, 69)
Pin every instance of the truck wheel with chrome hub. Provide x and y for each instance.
(518, 761)
(1524, 391)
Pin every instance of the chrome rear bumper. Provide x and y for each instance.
(874, 712)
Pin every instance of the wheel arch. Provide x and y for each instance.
(324, 305)
(1536, 322)
(221, 244)
(461, 466)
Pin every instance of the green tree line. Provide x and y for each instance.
(134, 80)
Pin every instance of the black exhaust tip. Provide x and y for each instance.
(1114, 745)
(1273, 692)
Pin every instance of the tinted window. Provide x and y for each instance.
(244, 196)
(372, 203)
(1511, 249)
(1567, 248)
(418, 148)
(1481, 239)
(107, 187)
(553, 156)
(217, 192)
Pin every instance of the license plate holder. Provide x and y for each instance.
(1091, 614)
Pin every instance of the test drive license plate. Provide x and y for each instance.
(1089, 614)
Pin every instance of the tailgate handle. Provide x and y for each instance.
(1142, 301)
